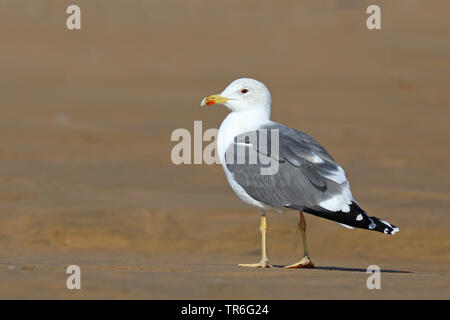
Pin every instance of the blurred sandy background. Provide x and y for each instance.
(86, 119)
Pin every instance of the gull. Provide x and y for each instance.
(306, 178)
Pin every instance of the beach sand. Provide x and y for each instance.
(86, 176)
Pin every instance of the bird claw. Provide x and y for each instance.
(262, 264)
(305, 262)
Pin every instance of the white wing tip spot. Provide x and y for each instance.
(346, 226)
(394, 230)
(386, 223)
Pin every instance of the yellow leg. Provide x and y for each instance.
(305, 262)
(264, 261)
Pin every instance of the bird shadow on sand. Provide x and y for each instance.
(350, 269)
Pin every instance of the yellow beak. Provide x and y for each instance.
(215, 98)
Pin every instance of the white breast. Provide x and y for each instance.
(234, 125)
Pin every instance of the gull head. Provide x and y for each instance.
(242, 95)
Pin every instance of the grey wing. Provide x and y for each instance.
(307, 176)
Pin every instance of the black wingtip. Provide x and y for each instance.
(357, 218)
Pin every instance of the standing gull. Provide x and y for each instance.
(306, 178)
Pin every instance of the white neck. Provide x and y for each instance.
(237, 123)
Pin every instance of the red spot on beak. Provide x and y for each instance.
(210, 102)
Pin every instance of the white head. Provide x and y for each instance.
(242, 95)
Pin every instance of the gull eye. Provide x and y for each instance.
(244, 90)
